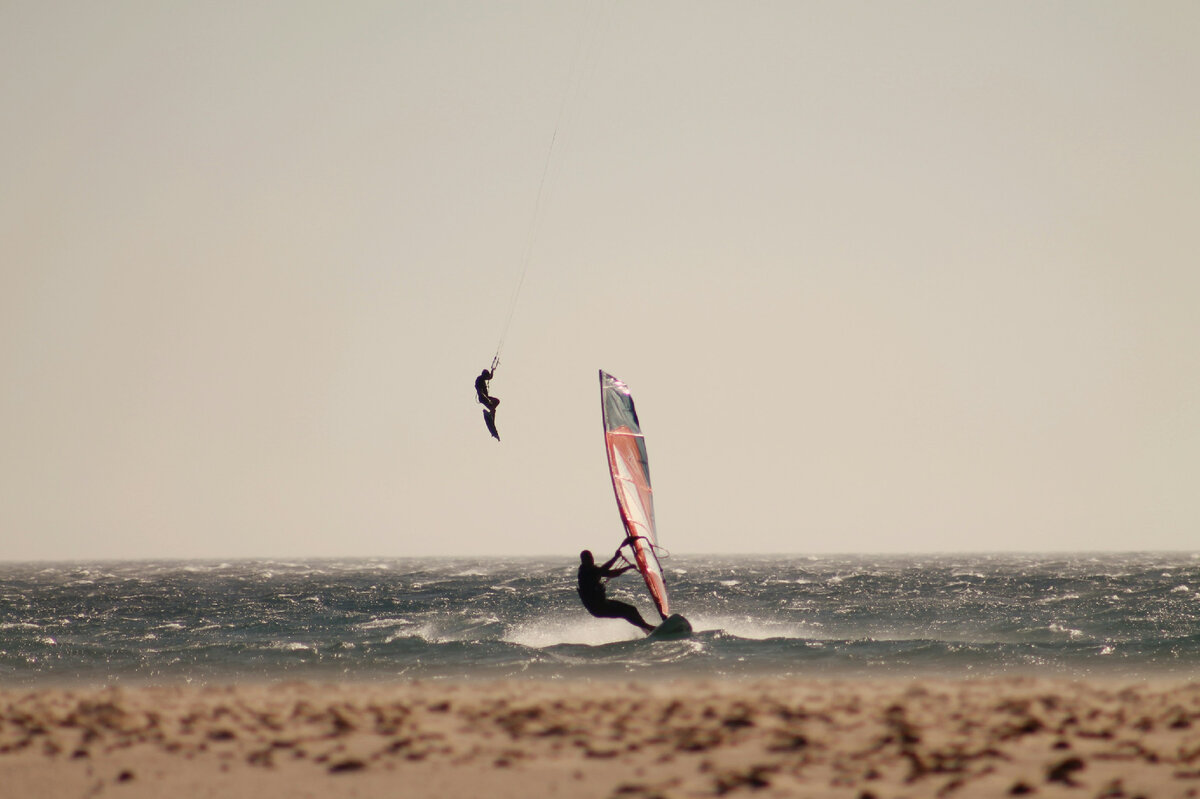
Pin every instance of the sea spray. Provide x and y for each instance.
(1121, 615)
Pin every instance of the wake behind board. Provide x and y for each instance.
(675, 626)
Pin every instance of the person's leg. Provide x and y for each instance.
(617, 609)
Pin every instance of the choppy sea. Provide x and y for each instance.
(1126, 615)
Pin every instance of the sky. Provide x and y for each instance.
(882, 277)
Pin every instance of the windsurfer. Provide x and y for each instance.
(591, 591)
(488, 401)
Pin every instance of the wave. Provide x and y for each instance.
(1129, 615)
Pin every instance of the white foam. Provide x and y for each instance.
(383, 623)
(571, 629)
(750, 628)
(436, 632)
(1049, 600)
(1061, 628)
(293, 646)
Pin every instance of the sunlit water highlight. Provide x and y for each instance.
(1107, 615)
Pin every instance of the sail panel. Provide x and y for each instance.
(630, 470)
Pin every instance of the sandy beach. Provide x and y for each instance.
(876, 738)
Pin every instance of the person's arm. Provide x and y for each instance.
(628, 542)
(614, 572)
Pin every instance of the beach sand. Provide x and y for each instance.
(521, 738)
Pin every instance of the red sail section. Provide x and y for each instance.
(630, 470)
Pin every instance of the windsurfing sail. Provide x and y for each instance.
(630, 470)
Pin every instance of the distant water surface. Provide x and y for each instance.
(1072, 615)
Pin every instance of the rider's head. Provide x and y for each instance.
(485, 374)
(586, 557)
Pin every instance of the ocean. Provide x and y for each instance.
(1105, 615)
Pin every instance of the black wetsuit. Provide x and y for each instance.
(488, 401)
(591, 591)
(481, 393)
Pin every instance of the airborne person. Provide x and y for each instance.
(488, 401)
(591, 591)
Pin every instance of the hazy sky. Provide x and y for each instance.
(882, 276)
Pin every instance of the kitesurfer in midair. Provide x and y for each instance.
(488, 401)
(591, 590)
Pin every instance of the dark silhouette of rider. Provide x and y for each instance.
(481, 390)
(488, 401)
(591, 591)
